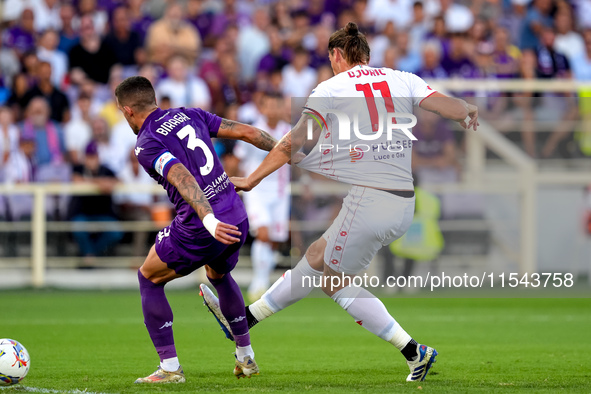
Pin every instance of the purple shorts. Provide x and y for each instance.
(186, 250)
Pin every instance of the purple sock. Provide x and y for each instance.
(232, 306)
(157, 317)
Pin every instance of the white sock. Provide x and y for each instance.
(262, 265)
(371, 314)
(243, 351)
(287, 290)
(170, 364)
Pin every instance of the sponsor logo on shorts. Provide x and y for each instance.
(165, 232)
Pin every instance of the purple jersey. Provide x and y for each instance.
(183, 135)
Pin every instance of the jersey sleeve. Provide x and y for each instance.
(212, 121)
(419, 89)
(153, 155)
(319, 101)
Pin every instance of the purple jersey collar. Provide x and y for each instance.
(154, 115)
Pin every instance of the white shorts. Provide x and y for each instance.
(368, 220)
(271, 211)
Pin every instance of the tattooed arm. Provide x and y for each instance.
(239, 131)
(280, 155)
(452, 108)
(187, 186)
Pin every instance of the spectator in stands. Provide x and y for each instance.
(47, 51)
(233, 89)
(16, 101)
(48, 135)
(278, 55)
(135, 206)
(58, 102)
(77, 131)
(228, 16)
(537, 18)
(299, 30)
(581, 63)
(121, 40)
(99, 17)
(172, 36)
(47, 15)
(318, 56)
(21, 168)
(408, 59)
(554, 65)
(90, 56)
(419, 27)
(9, 135)
(96, 208)
(30, 66)
(184, 89)
(9, 65)
(506, 57)
(139, 18)
(108, 153)
(512, 20)
(434, 153)
(298, 76)
(382, 11)
(109, 110)
(551, 64)
(253, 43)
(390, 58)
(568, 42)
(458, 18)
(69, 36)
(200, 17)
(380, 43)
(431, 61)
(21, 37)
(211, 72)
(456, 61)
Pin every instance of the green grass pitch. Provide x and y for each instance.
(96, 341)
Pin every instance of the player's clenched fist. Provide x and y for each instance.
(225, 233)
(241, 184)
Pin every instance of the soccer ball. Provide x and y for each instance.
(14, 362)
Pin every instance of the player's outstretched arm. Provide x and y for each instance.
(232, 130)
(187, 186)
(452, 108)
(279, 155)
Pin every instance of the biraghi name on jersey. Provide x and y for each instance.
(170, 124)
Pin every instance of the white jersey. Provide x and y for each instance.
(276, 185)
(363, 157)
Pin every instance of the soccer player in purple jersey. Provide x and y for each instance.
(175, 148)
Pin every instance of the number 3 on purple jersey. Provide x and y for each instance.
(195, 142)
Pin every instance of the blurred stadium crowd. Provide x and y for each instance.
(61, 60)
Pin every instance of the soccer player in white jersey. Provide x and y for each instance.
(267, 205)
(380, 204)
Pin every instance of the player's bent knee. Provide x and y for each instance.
(157, 271)
(212, 274)
(315, 254)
